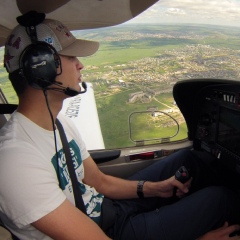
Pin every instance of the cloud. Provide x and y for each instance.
(200, 11)
(175, 11)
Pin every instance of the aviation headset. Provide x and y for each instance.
(39, 61)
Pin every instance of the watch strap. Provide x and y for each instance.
(140, 188)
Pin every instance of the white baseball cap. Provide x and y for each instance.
(54, 33)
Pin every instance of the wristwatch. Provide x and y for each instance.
(140, 188)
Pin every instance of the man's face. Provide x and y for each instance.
(70, 76)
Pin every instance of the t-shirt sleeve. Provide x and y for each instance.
(28, 185)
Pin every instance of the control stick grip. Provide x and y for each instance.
(182, 174)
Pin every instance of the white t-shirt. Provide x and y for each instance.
(29, 186)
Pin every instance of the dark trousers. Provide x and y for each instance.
(212, 200)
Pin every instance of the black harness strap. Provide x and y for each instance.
(76, 190)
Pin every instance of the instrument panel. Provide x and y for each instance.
(218, 123)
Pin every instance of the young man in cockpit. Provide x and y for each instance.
(36, 195)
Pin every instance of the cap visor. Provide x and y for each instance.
(80, 48)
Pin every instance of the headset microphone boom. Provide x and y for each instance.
(67, 90)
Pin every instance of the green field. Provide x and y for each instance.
(116, 131)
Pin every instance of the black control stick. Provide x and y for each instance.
(182, 174)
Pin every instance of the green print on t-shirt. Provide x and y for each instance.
(92, 199)
(61, 168)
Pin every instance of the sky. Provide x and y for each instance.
(220, 12)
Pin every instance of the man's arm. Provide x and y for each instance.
(117, 188)
(68, 223)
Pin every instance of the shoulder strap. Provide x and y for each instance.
(76, 190)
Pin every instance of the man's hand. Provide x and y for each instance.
(166, 187)
(222, 233)
(183, 189)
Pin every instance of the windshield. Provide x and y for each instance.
(138, 63)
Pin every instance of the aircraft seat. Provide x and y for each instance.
(5, 109)
(5, 234)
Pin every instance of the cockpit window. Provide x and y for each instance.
(138, 63)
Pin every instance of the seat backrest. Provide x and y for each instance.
(5, 234)
(5, 110)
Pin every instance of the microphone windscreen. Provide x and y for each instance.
(84, 85)
(71, 92)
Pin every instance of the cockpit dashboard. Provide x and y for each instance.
(211, 109)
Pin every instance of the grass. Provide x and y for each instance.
(116, 131)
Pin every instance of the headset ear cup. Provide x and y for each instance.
(39, 65)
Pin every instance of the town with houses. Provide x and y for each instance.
(157, 75)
